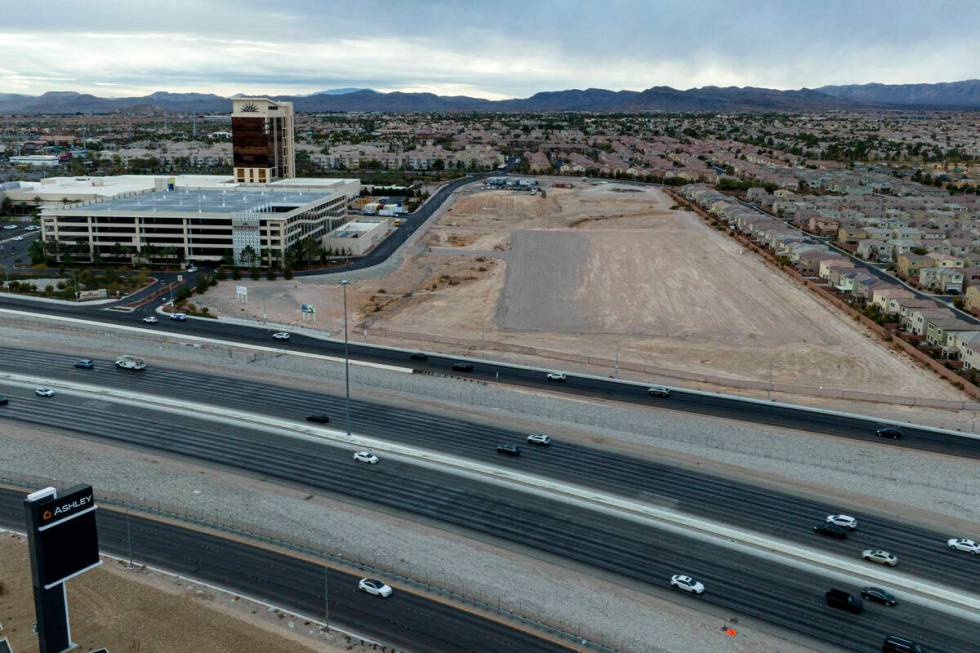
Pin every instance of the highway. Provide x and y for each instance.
(696, 493)
(787, 596)
(761, 412)
(406, 620)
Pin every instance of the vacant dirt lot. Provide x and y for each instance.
(138, 611)
(604, 271)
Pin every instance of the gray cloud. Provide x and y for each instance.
(507, 48)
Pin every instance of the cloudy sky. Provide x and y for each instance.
(507, 48)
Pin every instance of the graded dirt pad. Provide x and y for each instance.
(606, 271)
(138, 611)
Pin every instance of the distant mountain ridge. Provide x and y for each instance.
(951, 95)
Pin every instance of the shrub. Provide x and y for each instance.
(271, 275)
(287, 274)
(256, 275)
(236, 274)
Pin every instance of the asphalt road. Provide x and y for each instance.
(784, 595)
(404, 620)
(920, 551)
(859, 428)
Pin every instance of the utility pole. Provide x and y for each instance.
(346, 283)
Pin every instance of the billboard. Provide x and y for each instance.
(65, 535)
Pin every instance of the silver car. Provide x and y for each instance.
(880, 556)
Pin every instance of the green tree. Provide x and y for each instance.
(36, 252)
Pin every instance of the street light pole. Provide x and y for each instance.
(346, 283)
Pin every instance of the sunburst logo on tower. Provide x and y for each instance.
(249, 108)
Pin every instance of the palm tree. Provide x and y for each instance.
(249, 256)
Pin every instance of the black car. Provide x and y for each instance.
(3, 401)
(509, 450)
(85, 364)
(888, 432)
(878, 595)
(843, 601)
(460, 366)
(900, 645)
(319, 419)
(831, 530)
(418, 356)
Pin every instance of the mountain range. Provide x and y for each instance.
(964, 95)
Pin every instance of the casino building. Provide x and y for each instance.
(262, 140)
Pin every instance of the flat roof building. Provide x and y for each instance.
(356, 237)
(262, 140)
(251, 226)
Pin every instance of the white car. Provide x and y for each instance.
(150, 320)
(845, 521)
(557, 376)
(687, 584)
(32, 227)
(44, 392)
(8, 227)
(18, 238)
(191, 269)
(879, 556)
(366, 457)
(281, 335)
(374, 587)
(539, 438)
(962, 544)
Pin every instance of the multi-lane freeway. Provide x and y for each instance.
(774, 591)
(406, 620)
(696, 493)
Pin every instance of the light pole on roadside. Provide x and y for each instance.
(346, 283)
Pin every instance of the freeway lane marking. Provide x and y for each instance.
(214, 341)
(962, 604)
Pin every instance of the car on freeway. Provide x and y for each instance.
(150, 320)
(843, 601)
(686, 584)
(844, 521)
(418, 356)
(366, 457)
(878, 595)
(4, 401)
(374, 587)
(130, 363)
(880, 556)
(280, 335)
(85, 364)
(462, 366)
(509, 449)
(18, 238)
(318, 418)
(539, 439)
(888, 432)
(895, 644)
(831, 530)
(44, 392)
(559, 377)
(180, 317)
(658, 391)
(963, 544)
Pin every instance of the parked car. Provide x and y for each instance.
(4, 401)
(374, 587)
(878, 595)
(150, 320)
(418, 356)
(509, 449)
(9, 227)
(540, 439)
(318, 418)
(686, 584)
(280, 335)
(962, 544)
(900, 645)
(461, 366)
(85, 364)
(831, 530)
(559, 377)
(888, 432)
(44, 392)
(192, 269)
(843, 601)
(659, 391)
(880, 556)
(180, 317)
(845, 521)
(365, 457)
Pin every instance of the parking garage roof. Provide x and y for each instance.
(203, 201)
